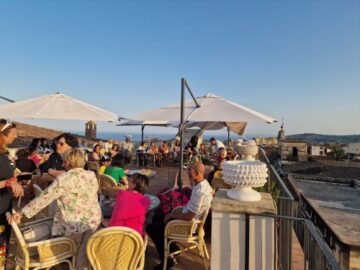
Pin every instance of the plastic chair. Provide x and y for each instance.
(43, 254)
(116, 248)
(186, 232)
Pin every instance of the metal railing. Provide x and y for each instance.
(317, 254)
(284, 202)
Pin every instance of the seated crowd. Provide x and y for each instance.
(75, 189)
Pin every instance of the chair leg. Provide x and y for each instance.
(166, 254)
(205, 248)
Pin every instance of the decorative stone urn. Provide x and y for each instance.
(243, 176)
(248, 150)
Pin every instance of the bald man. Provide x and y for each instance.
(199, 203)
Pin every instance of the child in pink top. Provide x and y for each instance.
(131, 205)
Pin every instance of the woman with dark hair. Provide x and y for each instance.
(34, 152)
(45, 148)
(116, 171)
(114, 150)
(23, 163)
(8, 183)
(54, 165)
(95, 154)
(131, 205)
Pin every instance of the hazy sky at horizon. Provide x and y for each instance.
(297, 60)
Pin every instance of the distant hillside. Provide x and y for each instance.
(319, 138)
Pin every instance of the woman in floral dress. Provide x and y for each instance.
(78, 212)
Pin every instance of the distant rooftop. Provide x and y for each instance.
(337, 204)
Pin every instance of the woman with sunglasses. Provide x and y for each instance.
(8, 184)
(54, 165)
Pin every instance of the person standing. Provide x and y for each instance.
(8, 185)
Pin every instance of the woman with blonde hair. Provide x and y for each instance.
(78, 212)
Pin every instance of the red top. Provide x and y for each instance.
(130, 210)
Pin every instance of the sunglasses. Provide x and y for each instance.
(60, 143)
(7, 124)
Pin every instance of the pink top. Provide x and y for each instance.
(130, 210)
(35, 158)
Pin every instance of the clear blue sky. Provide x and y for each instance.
(299, 60)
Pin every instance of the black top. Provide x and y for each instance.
(25, 165)
(7, 169)
(54, 162)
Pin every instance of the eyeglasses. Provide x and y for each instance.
(60, 143)
(7, 124)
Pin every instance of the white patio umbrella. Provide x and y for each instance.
(213, 113)
(56, 106)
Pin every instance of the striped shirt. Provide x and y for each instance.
(200, 200)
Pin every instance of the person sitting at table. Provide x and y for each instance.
(202, 150)
(54, 165)
(126, 148)
(116, 171)
(131, 205)
(154, 150)
(105, 162)
(114, 150)
(216, 145)
(44, 146)
(23, 163)
(176, 147)
(164, 149)
(95, 154)
(141, 154)
(199, 203)
(78, 214)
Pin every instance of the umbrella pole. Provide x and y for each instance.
(142, 132)
(228, 129)
(181, 130)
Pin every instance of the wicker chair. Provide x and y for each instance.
(93, 166)
(218, 182)
(108, 186)
(43, 254)
(190, 233)
(116, 248)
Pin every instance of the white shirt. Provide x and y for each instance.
(200, 200)
(217, 146)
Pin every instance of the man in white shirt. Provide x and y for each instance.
(216, 145)
(200, 201)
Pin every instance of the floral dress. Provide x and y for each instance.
(77, 208)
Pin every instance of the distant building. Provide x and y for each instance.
(90, 130)
(318, 150)
(266, 141)
(295, 150)
(352, 148)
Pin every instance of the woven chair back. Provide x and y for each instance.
(93, 166)
(107, 181)
(115, 248)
